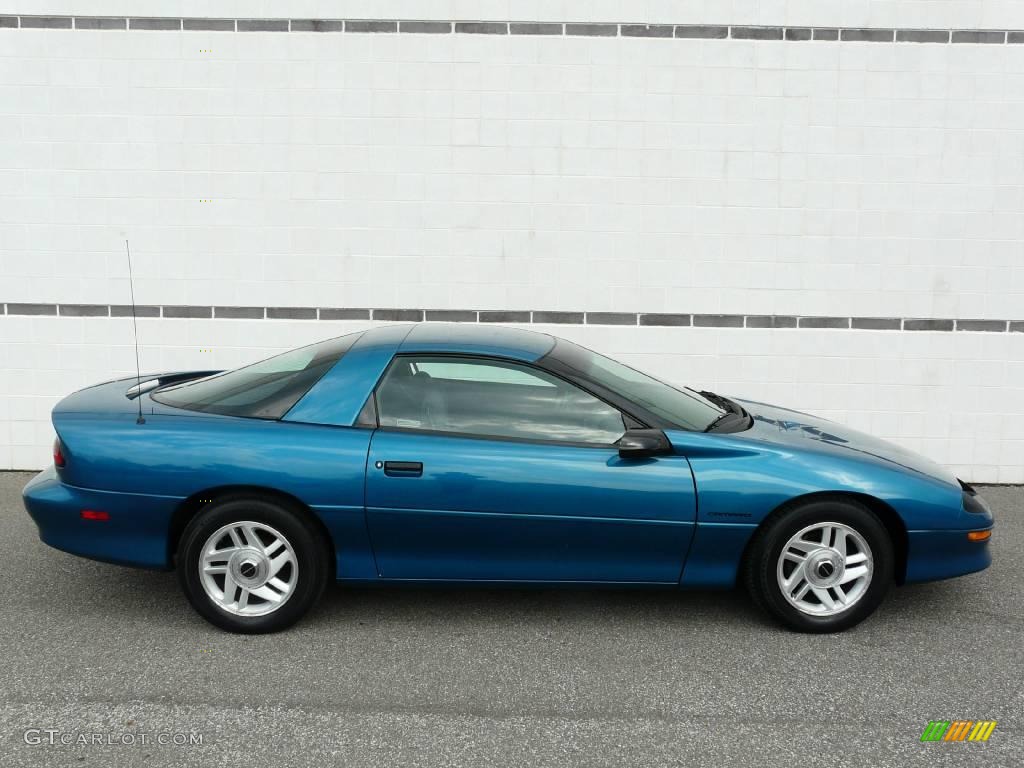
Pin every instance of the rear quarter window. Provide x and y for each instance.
(263, 390)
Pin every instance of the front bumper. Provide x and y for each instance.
(136, 533)
(934, 555)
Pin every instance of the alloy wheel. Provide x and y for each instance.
(248, 568)
(824, 569)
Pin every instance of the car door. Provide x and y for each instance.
(490, 469)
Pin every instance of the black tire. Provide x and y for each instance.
(760, 574)
(311, 555)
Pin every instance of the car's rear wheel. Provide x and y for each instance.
(822, 566)
(251, 565)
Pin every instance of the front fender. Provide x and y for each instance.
(741, 480)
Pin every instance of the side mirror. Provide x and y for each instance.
(638, 443)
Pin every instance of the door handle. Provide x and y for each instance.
(403, 468)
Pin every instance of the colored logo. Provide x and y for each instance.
(958, 730)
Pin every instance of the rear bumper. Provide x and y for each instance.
(135, 534)
(934, 555)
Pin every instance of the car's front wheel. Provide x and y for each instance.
(822, 566)
(251, 565)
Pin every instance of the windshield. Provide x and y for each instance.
(264, 390)
(684, 408)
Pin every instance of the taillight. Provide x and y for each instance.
(58, 453)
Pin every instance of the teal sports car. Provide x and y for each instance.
(474, 454)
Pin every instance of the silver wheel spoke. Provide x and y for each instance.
(803, 546)
(854, 573)
(229, 588)
(245, 578)
(839, 544)
(794, 578)
(267, 594)
(824, 568)
(251, 538)
(824, 597)
(275, 545)
(279, 562)
(840, 595)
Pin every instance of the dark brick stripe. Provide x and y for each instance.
(824, 322)
(756, 33)
(565, 318)
(155, 25)
(140, 310)
(291, 313)
(452, 315)
(702, 31)
(535, 28)
(611, 318)
(262, 25)
(591, 30)
(327, 313)
(84, 310)
(877, 323)
(502, 316)
(771, 321)
(82, 22)
(538, 317)
(419, 27)
(46, 22)
(31, 309)
(989, 326)
(868, 35)
(188, 311)
(371, 26)
(399, 315)
(239, 313)
(922, 35)
(208, 25)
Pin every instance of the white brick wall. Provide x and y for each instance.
(485, 172)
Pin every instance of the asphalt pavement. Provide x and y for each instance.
(408, 677)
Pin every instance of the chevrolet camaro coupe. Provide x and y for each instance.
(488, 455)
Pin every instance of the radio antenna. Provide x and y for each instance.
(135, 328)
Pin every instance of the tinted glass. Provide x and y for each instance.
(264, 390)
(492, 399)
(684, 408)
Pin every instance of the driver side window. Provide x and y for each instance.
(491, 398)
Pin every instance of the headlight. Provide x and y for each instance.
(973, 502)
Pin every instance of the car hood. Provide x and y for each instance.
(792, 428)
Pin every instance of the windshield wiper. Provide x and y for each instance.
(727, 415)
(721, 402)
(734, 414)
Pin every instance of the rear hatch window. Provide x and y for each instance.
(264, 390)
